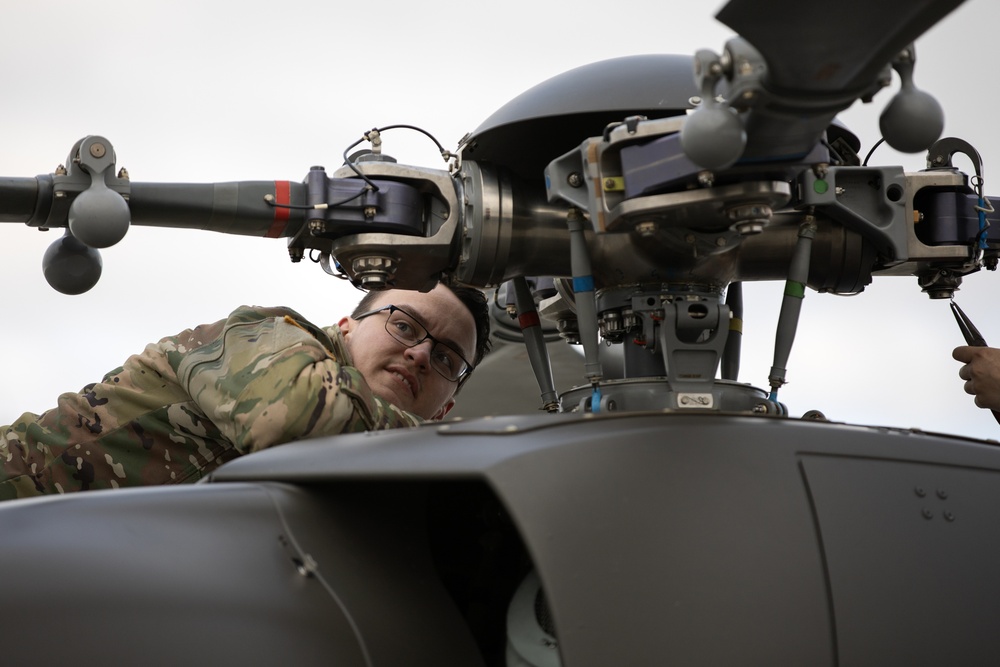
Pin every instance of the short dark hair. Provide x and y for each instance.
(471, 298)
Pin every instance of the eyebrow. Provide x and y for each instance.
(413, 310)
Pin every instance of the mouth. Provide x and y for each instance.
(407, 380)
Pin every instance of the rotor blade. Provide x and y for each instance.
(841, 48)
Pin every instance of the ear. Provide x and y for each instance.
(445, 409)
(346, 325)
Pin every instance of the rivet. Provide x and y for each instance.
(920, 492)
(948, 516)
(927, 513)
(942, 494)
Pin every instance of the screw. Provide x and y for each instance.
(646, 229)
(370, 212)
(60, 170)
(316, 226)
(609, 183)
(575, 180)
(123, 174)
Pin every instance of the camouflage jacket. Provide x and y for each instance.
(191, 402)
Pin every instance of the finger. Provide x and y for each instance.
(969, 390)
(963, 353)
(965, 372)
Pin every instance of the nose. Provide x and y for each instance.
(420, 353)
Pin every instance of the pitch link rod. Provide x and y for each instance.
(586, 305)
(534, 341)
(791, 305)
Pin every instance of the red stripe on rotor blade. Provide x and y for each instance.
(282, 197)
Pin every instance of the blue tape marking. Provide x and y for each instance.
(583, 284)
(595, 400)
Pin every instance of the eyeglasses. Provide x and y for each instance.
(406, 329)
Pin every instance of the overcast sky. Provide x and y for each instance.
(204, 91)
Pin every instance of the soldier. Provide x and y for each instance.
(261, 377)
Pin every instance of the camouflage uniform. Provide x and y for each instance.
(191, 402)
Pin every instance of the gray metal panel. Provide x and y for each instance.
(693, 538)
(912, 552)
(210, 575)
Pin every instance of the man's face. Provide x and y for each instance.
(403, 375)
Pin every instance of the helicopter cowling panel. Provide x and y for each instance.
(708, 539)
(235, 574)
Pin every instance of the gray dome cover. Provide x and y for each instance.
(555, 116)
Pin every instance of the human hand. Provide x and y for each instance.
(981, 373)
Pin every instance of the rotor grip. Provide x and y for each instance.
(239, 207)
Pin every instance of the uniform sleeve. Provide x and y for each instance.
(270, 380)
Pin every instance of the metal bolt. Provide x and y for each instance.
(59, 194)
(609, 183)
(760, 409)
(839, 190)
(316, 226)
(370, 212)
(60, 170)
(575, 180)
(97, 149)
(721, 241)
(646, 229)
(123, 174)
(706, 178)
(694, 100)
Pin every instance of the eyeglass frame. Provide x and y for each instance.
(427, 336)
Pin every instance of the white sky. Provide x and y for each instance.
(210, 90)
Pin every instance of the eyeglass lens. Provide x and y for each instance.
(409, 332)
